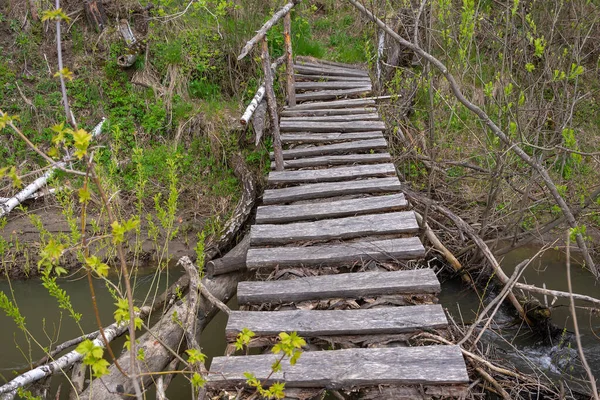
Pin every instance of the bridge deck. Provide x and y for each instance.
(338, 207)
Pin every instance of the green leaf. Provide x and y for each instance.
(57, 14)
(198, 381)
(84, 195)
(195, 356)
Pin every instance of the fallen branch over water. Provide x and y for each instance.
(63, 363)
(463, 226)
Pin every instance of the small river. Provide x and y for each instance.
(511, 342)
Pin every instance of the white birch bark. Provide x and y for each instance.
(260, 94)
(10, 204)
(380, 48)
(258, 97)
(61, 364)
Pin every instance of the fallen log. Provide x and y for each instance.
(242, 210)
(64, 362)
(128, 59)
(230, 263)
(162, 341)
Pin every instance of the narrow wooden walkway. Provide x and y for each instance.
(338, 207)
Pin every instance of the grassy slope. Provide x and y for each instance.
(180, 101)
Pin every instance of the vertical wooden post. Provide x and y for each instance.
(291, 83)
(272, 104)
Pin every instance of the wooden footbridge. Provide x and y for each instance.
(330, 240)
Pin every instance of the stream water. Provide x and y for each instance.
(510, 342)
(516, 343)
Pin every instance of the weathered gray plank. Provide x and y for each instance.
(332, 137)
(316, 64)
(333, 94)
(344, 286)
(330, 111)
(331, 174)
(335, 255)
(322, 190)
(304, 86)
(337, 228)
(322, 70)
(331, 78)
(340, 148)
(310, 126)
(333, 209)
(311, 323)
(348, 159)
(334, 118)
(347, 103)
(310, 59)
(347, 369)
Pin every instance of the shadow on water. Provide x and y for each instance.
(519, 346)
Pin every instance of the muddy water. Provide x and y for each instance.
(516, 343)
(45, 322)
(511, 342)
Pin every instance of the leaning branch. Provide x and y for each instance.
(454, 86)
(265, 28)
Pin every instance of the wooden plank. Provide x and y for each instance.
(335, 255)
(334, 118)
(333, 137)
(356, 146)
(310, 126)
(333, 209)
(347, 103)
(310, 59)
(311, 323)
(341, 286)
(348, 369)
(315, 64)
(318, 70)
(333, 94)
(393, 223)
(331, 174)
(331, 189)
(331, 111)
(349, 159)
(304, 86)
(327, 78)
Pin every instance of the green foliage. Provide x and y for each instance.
(243, 338)
(92, 357)
(121, 314)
